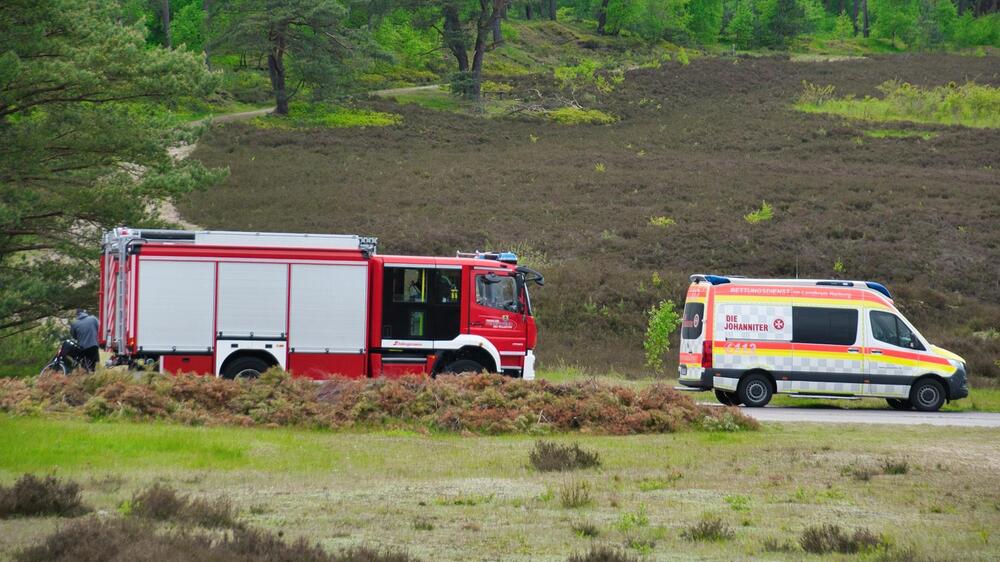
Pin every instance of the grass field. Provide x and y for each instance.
(462, 498)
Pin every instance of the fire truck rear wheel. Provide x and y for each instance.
(726, 398)
(754, 390)
(245, 368)
(462, 366)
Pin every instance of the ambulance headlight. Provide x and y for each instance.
(957, 364)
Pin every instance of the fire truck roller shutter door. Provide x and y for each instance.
(253, 298)
(329, 307)
(176, 305)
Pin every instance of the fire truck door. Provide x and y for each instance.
(497, 312)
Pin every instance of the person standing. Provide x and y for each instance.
(84, 331)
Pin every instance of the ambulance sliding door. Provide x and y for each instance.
(827, 349)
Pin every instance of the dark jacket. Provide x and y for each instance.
(84, 330)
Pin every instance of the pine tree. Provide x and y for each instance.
(80, 149)
(741, 27)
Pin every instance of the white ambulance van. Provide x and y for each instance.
(751, 338)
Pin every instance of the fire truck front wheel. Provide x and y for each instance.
(245, 368)
(462, 366)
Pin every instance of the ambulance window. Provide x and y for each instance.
(694, 317)
(830, 326)
(890, 329)
(497, 291)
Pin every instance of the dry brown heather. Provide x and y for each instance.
(490, 404)
(702, 144)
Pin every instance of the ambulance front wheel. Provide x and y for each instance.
(726, 398)
(927, 395)
(754, 390)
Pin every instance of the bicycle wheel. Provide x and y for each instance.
(56, 367)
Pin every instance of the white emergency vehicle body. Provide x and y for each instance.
(751, 338)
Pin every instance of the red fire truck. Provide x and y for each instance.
(234, 304)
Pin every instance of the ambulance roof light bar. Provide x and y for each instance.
(722, 279)
(504, 257)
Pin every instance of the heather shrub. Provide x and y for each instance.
(821, 539)
(97, 540)
(31, 496)
(480, 403)
(163, 503)
(548, 457)
(603, 554)
(710, 528)
(575, 495)
(895, 467)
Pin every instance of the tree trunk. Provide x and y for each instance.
(854, 16)
(165, 18)
(497, 31)
(527, 11)
(552, 9)
(206, 27)
(488, 16)
(276, 69)
(453, 37)
(864, 7)
(602, 17)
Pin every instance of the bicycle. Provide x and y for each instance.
(67, 359)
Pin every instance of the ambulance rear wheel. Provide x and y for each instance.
(927, 395)
(754, 391)
(245, 368)
(899, 403)
(726, 398)
(462, 366)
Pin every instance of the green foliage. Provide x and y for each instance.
(63, 172)
(663, 321)
(574, 77)
(894, 19)
(187, 27)
(706, 20)
(899, 134)
(316, 115)
(411, 45)
(844, 27)
(661, 222)
(579, 116)
(780, 21)
(24, 353)
(971, 104)
(741, 27)
(765, 213)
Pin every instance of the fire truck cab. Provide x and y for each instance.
(234, 304)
